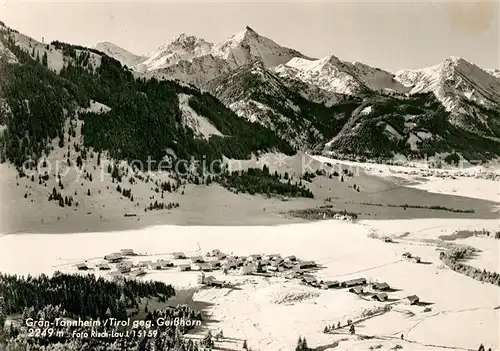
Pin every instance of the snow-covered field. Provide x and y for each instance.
(271, 313)
(476, 182)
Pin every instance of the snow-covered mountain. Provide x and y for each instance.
(125, 57)
(332, 74)
(247, 46)
(195, 61)
(452, 80)
(181, 48)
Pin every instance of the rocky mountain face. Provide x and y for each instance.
(330, 105)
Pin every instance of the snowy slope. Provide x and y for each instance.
(247, 46)
(332, 74)
(125, 57)
(200, 125)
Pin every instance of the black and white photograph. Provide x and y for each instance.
(250, 175)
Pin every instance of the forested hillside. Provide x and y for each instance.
(144, 119)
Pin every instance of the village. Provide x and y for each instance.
(266, 265)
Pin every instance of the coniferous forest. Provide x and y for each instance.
(65, 302)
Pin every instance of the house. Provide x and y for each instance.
(201, 267)
(127, 252)
(211, 281)
(381, 297)
(381, 286)
(155, 266)
(124, 268)
(272, 257)
(387, 239)
(358, 290)
(229, 265)
(214, 264)
(115, 275)
(354, 282)
(103, 266)
(255, 257)
(178, 255)
(329, 284)
(406, 255)
(165, 263)
(197, 259)
(114, 257)
(412, 300)
(144, 263)
(415, 259)
(184, 267)
(291, 258)
(271, 269)
(286, 265)
(306, 264)
(309, 280)
(214, 252)
(82, 266)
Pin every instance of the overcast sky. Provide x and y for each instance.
(389, 34)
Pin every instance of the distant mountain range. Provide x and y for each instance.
(349, 109)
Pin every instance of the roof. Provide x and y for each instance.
(356, 289)
(332, 282)
(381, 285)
(309, 278)
(412, 297)
(380, 296)
(355, 281)
(81, 265)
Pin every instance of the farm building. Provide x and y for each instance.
(214, 264)
(155, 266)
(354, 282)
(306, 264)
(381, 297)
(406, 255)
(82, 266)
(197, 259)
(184, 267)
(412, 300)
(415, 259)
(272, 257)
(201, 267)
(114, 257)
(144, 263)
(124, 268)
(329, 284)
(229, 265)
(358, 290)
(381, 286)
(253, 258)
(309, 280)
(271, 269)
(211, 281)
(127, 252)
(177, 255)
(165, 263)
(103, 266)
